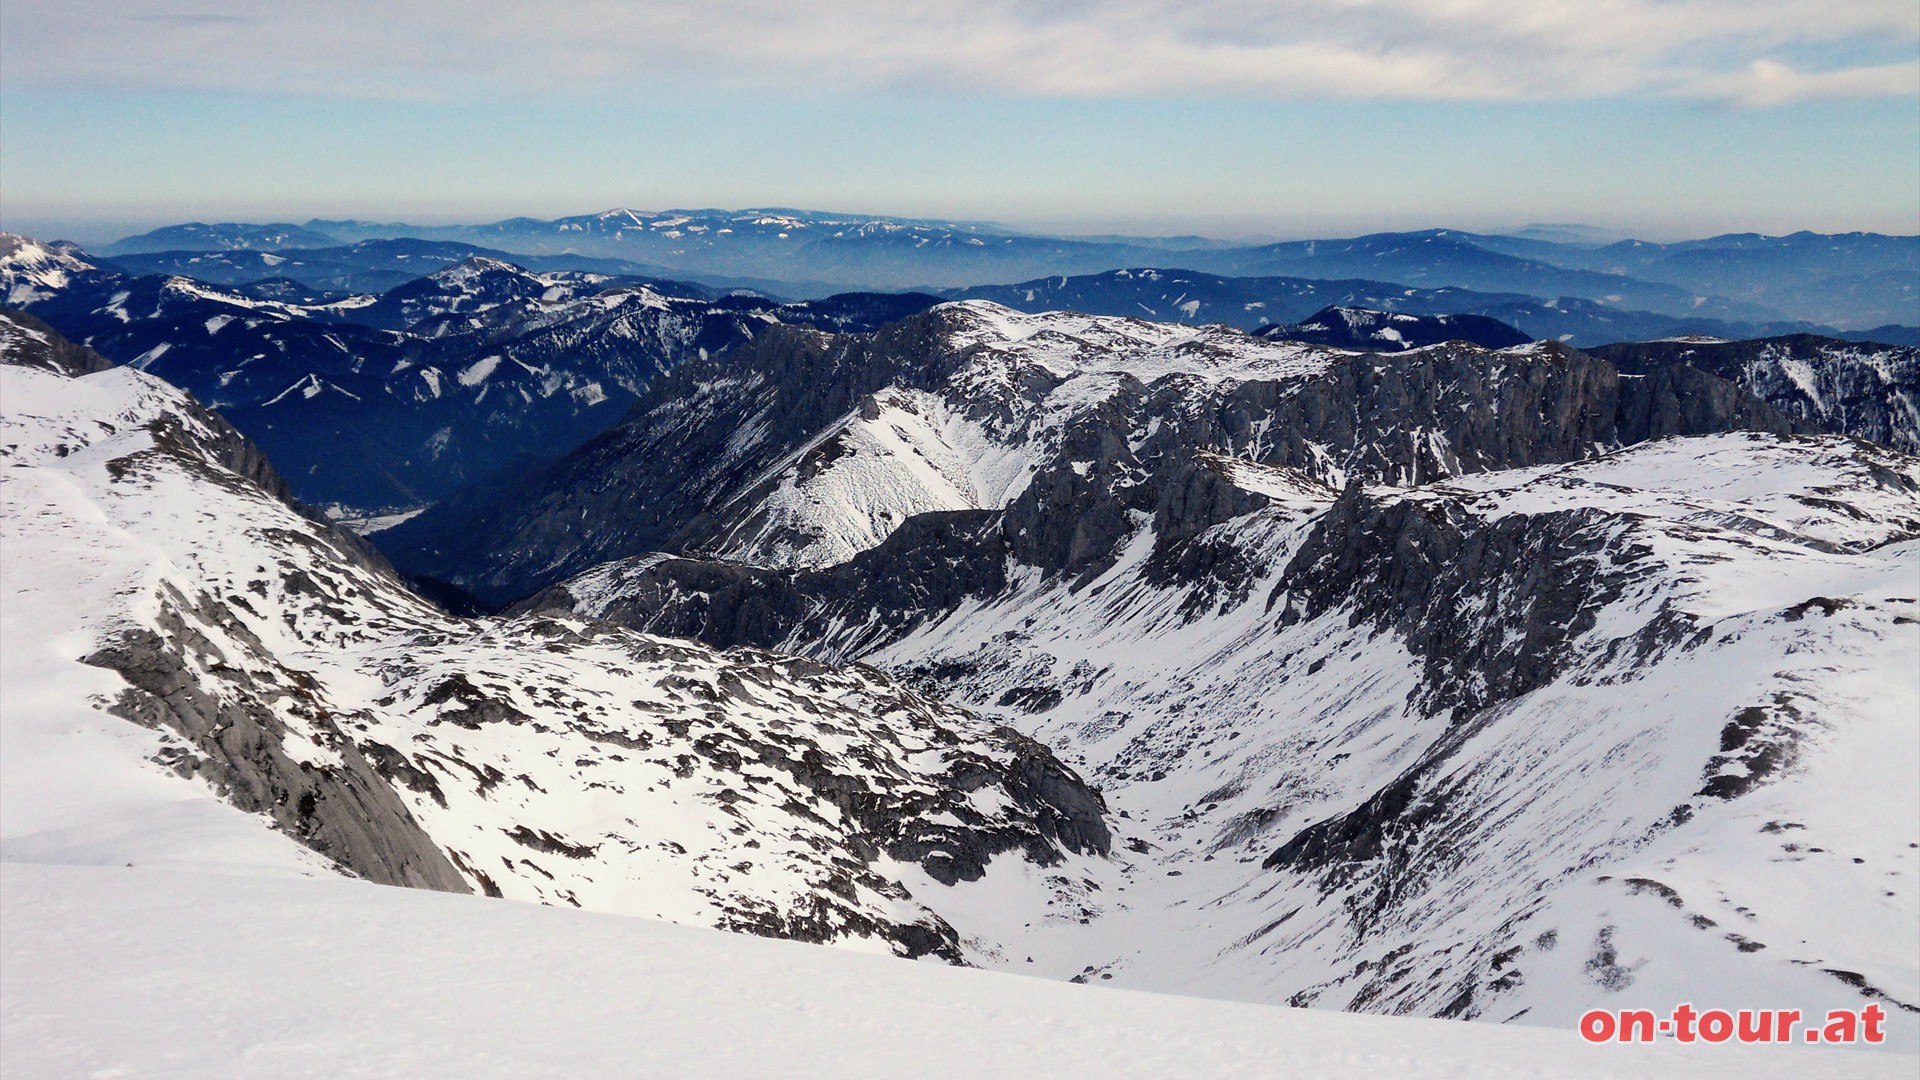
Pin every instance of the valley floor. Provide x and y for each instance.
(134, 972)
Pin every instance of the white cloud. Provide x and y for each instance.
(1282, 49)
(1769, 82)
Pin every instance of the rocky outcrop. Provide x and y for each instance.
(28, 342)
(810, 776)
(1153, 454)
(1425, 570)
(1862, 389)
(344, 809)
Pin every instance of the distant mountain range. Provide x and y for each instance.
(464, 365)
(367, 266)
(223, 236)
(1149, 290)
(387, 402)
(1850, 281)
(1195, 298)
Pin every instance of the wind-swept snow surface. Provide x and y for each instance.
(110, 971)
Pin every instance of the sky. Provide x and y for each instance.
(1227, 118)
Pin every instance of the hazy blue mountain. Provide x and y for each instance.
(1851, 281)
(1845, 279)
(1890, 334)
(891, 253)
(1438, 258)
(226, 236)
(362, 267)
(1189, 296)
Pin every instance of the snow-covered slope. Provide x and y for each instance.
(975, 442)
(30, 271)
(109, 970)
(1448, 683)
(785, 453)
(164, 613)
(1514, 744)
(1594, 738)
(1453, 682)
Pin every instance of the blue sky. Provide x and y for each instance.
(1656, 118)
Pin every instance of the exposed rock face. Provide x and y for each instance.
(1124, 451)
(1859, 388)
(28, 342)
(344, 810)
(1406, 565)
(548, 759)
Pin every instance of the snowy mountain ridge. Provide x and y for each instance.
(721, 455)
(1365, 328)
(267, 658)
(1454, 682)
(1428, 803)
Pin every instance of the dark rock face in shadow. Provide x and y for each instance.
(346, 811)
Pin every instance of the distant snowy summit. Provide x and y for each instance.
(1360, 328)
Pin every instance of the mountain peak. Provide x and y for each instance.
(1366, 328)
(474, 266)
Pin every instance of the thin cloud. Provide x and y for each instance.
(1768, 82)
(1488, 50)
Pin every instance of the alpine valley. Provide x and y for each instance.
(1409, 644)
